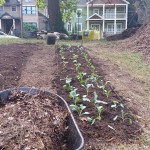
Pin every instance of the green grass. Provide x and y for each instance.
(9, 41)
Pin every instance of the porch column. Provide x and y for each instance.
(126, 16)
(0, 24)
(87, 17)
(115, 26)
(103, 18)
(14, 25)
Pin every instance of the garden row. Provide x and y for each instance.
(97, 108)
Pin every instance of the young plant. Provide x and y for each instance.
(100, 109)
(79, 109)
(96, 101)
(116, 104)
(61, 50)
(73, 94)
(64, 63)
(67, 86)
(103, 87)
(123, 117)
(75, 57)
(87, 86)
(92, 120)
(80, 76)
(93, 77)
(77, 66)
(85, 98)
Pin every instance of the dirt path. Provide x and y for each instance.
(40, 69)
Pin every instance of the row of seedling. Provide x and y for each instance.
(89, 81)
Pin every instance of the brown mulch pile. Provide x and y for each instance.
(139, 42)
(32, 122)
(125, 34)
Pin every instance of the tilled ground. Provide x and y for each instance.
(13, 58)
(27, 65)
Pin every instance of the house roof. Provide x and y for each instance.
(108, 2)
(12, 2)
(7, 16)
(95, 17)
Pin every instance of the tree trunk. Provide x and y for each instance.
(55, 19)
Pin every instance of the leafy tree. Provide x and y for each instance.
(2, 2)
(67, 9)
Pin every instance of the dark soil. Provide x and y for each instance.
(13, 58)
(106, 130)
(32, 122)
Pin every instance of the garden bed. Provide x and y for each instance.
(33, 122)
(101, 113)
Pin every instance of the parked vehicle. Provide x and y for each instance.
(43, 35)
(4, 35)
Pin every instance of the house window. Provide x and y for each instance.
(79, 27)
(119, 27)
(14, 8)
(95, 11)
(69, 27)
(79, 13)
(29, 10)
(110, 27)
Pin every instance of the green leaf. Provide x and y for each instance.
(74, 107)
(89, 85)
(98, 117)
(74, 61)
(65, 87)
(73, 94)
(91, 120)
(100, 109)
(77, 99)
(86, 99)
(82, 106)
(68, 80)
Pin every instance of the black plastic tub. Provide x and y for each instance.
(51, 39)
(75, 138)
